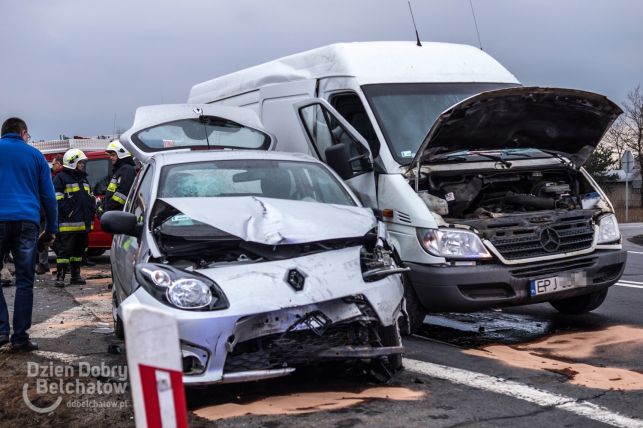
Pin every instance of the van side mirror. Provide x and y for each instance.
(337, 158)
(121, 223)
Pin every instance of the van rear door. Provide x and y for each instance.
(331, 138)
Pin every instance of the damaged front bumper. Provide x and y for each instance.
(271, 328)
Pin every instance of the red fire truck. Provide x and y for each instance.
(99, 169)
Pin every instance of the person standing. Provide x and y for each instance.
(43, 256)
(25, 185)
(76, 209)
(123, 174)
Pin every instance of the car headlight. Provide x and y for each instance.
(453, 243)
(608, 231)
(179, 288)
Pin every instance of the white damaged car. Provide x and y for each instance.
(267, 260)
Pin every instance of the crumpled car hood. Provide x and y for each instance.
(566, 121)
(277, 221)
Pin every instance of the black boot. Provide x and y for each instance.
(61, 271)
(76, 279)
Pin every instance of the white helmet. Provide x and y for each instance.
(116, 147)
(72, 157)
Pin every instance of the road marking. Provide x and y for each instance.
(522, 392)
(620, 284)
(635, 252)
(627, 281)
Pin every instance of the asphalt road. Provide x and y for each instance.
(525, 366)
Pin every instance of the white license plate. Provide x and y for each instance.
(557, 283)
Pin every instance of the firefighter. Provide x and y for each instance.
(76, 209)
(123, 174)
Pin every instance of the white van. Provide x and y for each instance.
(480, 179)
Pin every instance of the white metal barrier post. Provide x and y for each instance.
(155, 369)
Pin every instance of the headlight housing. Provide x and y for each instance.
(179, 288)
(453, 243)
(608, 232)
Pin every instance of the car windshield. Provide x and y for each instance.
(406, 111)
(204, 132)
(299, 181)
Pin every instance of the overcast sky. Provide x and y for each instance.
(70, 67)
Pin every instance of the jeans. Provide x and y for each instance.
(20, 237)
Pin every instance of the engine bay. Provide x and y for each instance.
(479, 195)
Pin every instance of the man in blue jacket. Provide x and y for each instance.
(25, 184)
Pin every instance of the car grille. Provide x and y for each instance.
(295, 348)
(564, 235)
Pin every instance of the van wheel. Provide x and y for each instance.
(580, 304)
(414, 309)
(119, 330)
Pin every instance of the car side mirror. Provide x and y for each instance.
(337, 158)
(121, 223)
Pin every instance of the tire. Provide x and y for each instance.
(580, 304)
(414, 309)
(95, 252)
(390, 336)
(119, 330)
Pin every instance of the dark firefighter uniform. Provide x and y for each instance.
(123, 174)
(76, 208)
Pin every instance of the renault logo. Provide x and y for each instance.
(296, 279)
(549, 240)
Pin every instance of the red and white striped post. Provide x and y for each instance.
(155, 369)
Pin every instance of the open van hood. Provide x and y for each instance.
(566, 121)
(277, 221)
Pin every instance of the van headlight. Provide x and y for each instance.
(179, 288)
(608, 231)
(453, 243)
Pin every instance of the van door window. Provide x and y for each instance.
(325, 131)
(351, 108)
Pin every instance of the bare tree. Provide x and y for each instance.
(617, 138)
(634, 118)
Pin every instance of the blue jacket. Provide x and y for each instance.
(25, 184)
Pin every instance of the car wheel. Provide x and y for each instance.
(119, 330)
(95, 252)
(390, 336)
(580, 304)
(414, 310)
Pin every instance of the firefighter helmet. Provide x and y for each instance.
(116, 147)
(72, 157)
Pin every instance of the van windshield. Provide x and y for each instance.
(406, 111)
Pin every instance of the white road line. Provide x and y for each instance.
(627, 281)
(635, 252)
(620, 284)
(522, 392)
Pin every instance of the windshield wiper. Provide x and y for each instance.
(558, 156)
(493, 157)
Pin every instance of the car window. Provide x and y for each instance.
(141, 196)
(303, 181)
(98, 174)
(205, 132)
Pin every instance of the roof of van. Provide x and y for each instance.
(368, 62)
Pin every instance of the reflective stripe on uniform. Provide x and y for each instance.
(73, 187)
(59, 196)
(113, 185)
(72, 227)
(119, 197)
(87, 189)
(75, 259)
(62, 261)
